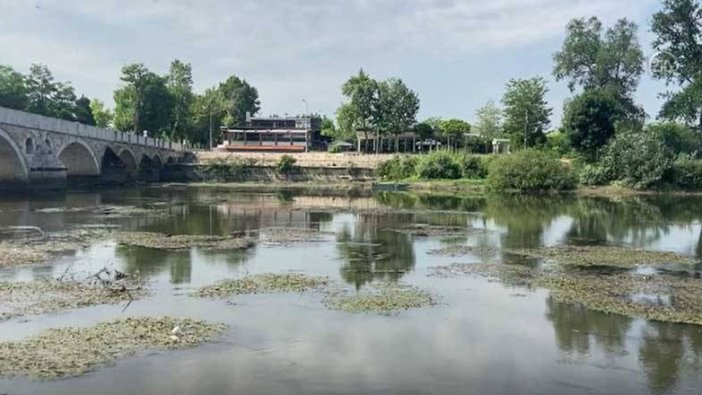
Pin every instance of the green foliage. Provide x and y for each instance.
(678, 42)
(102, 115)
(439, 165)
(144, 102)
(593, 174)
(472, 166)
(489, 122)
(594, 59)
(223, 170)
(526, 111)
(397, 107)
(478, 144)
(528, 171)
(208, 111)
(286, 164)
(677, 137)
(557, 143)
(239, 98)
(362, 92)
(83, 112)
(589, 120)
(638, 159)
(180, 86)
(13, 91)
(398, 167)
(686, 173)
(424, 130)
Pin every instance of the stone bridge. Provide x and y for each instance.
(38, 151)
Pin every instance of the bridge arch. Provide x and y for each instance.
(127, 157)
(13, 165)
(79, 159)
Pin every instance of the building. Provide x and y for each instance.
(275, 134)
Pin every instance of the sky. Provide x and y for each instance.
(456, 54)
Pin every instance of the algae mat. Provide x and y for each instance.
(69, 352)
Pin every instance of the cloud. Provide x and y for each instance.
(289, 49)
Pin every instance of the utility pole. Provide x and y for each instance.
(307, 107)
(210, 130)
(526, 127)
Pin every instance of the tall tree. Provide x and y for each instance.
(241, 98)
(489, 123)
(13, 91)
(41, 88)
(678, 42)
(83, 111)
(209, 112)
(144, 102)
(397, 108)
(591, 58)
(102, 115)
(590, 119)
(453, 129)
(526, 111)
(360, 112)
(180, 87)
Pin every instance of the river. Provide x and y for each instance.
(484, 337)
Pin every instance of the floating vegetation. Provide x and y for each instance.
(463, 250)
(50, 296)
(163, 241)
(425, 230)
(108, 211)
(604, 256)
(262, 283)
(284, 235)
(386, 298)
(517, 275)
(66, 352)
(38, 250)
(660, 296)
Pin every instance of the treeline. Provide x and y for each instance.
(604, 131)
(164, 105)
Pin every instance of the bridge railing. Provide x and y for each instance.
(55, 125)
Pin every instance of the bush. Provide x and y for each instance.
(397, 168)
(286, 165)
(686, 173)
(530, 170)
(439, 165)
(557, 143)
(593, 175)
(472, 166)
(638, 159)
(676, 137)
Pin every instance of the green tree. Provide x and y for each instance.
(83, 112)
(362, 93)
(13, 91)
(103, 116)
(591, 58)
(180, 87)
(241, 98)
(453, 129)
(424, 130)
(41, 89)
(489, 122)
(397, 108)
(526, 111)
(678, 42)
(346, 119)
(209, 110)
(589, 121)
(144, 102)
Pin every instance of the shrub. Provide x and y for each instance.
(677, 137)
(223, 170)
(286, 165)
(686, 173)
(472, 166)
(593, 175)
(398, 167)
(638, 159)
(530, 170)
(439, 165)
(557, 143)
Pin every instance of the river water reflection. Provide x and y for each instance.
(484, 338)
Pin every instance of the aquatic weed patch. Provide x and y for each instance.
(50, 296)
(381, 299)
(426, 230)
(163, 241)
(69, 352)
(262, 283)
(463, 250)
(29, 251)
(285, 235)
(604, 256)
(517, 275)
